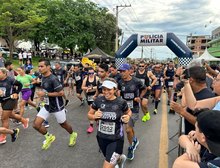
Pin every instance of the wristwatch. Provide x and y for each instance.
(46, 94)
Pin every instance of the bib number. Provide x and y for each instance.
(143, 81)
(170, 83)
(78, 78)
(106, 127)
(90, 98)
(130, 103)
(2, 91)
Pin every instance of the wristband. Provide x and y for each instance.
(46, 94)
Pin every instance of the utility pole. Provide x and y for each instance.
(116, 35)
(142, 52)
(151, 54)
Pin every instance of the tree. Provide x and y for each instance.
(18, 18)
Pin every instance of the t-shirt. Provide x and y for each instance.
(110, 125)
(130, 90)
(60, 73)
(26, 79)
(52, 84)
(78, 76)
(209, 160)
(203, 94)
(7, 86)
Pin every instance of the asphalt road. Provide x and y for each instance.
(26, 151)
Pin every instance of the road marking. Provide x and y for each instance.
(163, 157)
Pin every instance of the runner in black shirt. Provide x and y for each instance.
(8, 100)
(52, 94)
(111, 112)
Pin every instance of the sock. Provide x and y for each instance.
(156, 104)
(46, 135)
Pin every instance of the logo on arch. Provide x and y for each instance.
(155, 39)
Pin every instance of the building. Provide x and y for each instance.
(198, 43)
(214, 44)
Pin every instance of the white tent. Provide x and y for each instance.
(207, 57)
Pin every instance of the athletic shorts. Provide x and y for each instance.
(111, 149)
(26, 94)
(9, 104)
(60, 115)
(156, 87)
(134, 117)
(168, 84)
(146, 95)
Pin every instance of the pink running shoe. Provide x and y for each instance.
(2, 139)
(90, 129)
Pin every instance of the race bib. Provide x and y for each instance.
(78, 78)
(59, 77)
(46, 100)
(143, 81)
(170, 83)
(128, 95)
(130, 103)
(2, 91)
(106, 127)
(157, 83)
(90, 98)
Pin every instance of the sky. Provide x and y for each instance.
(181, 17)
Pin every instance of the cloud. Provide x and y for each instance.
(181, 17)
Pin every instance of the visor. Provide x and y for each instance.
(109, 84)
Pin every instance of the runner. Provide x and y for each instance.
(145, 76)
(111, 112)
(27, 81)
(169, 73)
(8, 100)
(114, 73)
(157, 88)
(132, 90)
(52, 94)
(89, 86)
(61, 73)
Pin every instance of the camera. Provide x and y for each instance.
(186, 74)
(174, 97)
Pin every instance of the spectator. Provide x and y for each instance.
(207, 134)
(2, 60)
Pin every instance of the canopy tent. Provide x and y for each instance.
(97, 55)
(207, 57)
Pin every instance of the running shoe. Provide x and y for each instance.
(82, 102)
(46, 124)
(26, 123)
(66, 102)
(122, 161)
(14, 136)
(135, 143)
(155, 111)
(130, 155)
(73, 137)
(146, 117)
(90, 129)
(49, 139)
(2, 139)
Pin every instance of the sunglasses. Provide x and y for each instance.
(91, 73)
(141, 66)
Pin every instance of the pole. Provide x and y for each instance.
(116, 34)
(142, 52)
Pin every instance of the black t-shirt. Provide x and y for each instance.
(143, 77)
(158, 75)
(209, 160)
(203, 94)
(170, 73)
(117, 77)
(60, 73)
(110, 125)
(130, 90)
(52, 84)
(78, 77)
(7, 86)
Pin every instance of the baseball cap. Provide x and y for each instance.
(124, 67)
(109, 84)
(209, 124)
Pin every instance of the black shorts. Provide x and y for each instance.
(169, 83)
(9, 104)
(146, 95)
(110, 148)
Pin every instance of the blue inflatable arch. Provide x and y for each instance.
(170, 40)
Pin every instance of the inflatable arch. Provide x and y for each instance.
(170, 40)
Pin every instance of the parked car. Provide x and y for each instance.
(6, 53)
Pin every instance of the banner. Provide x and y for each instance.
(154, 39)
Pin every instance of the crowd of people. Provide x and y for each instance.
(115, 95)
